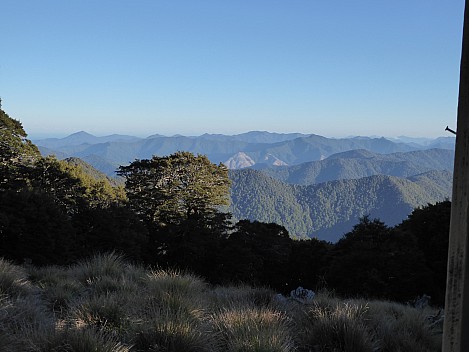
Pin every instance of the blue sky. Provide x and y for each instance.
(334, 68)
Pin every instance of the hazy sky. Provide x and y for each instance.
(334, 68)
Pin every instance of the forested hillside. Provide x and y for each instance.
(330, 209)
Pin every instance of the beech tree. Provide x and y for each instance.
(172, 189)
(16, 153)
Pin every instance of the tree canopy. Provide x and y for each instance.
(171, 189)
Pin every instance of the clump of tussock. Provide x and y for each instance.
(13, 279)
(358, 325)
(254, 329)
(7, 341)
(170, 329)
(77, 340)
(106, 312)
(59, 288)
(340, 327)
(173, 316)
(240, 296)
(22, 320)
(109, 265)
(174, 282)
(403, 328)
(175, 290)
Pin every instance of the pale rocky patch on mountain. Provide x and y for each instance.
(273, 160)
(239, 161)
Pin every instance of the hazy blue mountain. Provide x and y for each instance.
(239, 151)
(443, 142)
(330, 209)
(102, 165)
(361, 163)
(266, 137)
(440, 142)
(82, 137)
(46, 152)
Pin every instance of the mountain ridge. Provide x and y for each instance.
(259, 146)
(330, 209)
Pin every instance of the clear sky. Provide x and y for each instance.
(140, 67)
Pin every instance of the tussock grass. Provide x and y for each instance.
(339, 327)
(170, 329)
(401, 328)
(13, 279)
(85, 340)
(106, 304)
(109, 265)
(254, 329)
(240, 296)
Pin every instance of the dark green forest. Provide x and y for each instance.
(329, 210)
(171, 213)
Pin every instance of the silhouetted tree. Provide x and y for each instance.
(171, 189)
(33, 227)
(430, 227)
(374, 260)
(258, 253)
(107, 229)
(307, 264)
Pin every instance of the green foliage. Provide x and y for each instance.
(255, 196)
(72, 186)
(168, 190)
(16, 153)
(14, 146)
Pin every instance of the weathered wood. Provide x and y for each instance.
(456, 326)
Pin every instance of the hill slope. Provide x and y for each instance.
(330, 209)
(362, 163)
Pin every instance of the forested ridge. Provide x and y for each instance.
(170, 214)
(363, 163)
(330, 209)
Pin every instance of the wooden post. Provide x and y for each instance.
(456, 325)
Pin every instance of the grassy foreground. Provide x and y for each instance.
(107, 304)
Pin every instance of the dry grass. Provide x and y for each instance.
(107, 304)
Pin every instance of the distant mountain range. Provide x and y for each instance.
(249, 149)
(313, 185)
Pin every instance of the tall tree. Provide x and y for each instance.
(16, 153)
(172, 189)
(13, 142)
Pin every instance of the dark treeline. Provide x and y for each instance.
(169, 215)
